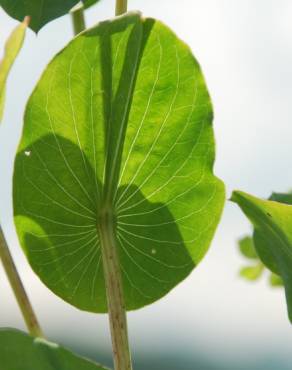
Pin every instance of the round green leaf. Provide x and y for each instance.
(20, 351)
(40, 11)
(121, 120)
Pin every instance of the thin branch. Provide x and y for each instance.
(18, 289)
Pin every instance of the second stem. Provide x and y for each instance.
(18, 289)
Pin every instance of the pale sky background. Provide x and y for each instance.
(245, 50)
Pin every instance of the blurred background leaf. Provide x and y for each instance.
(272, 236)
(248, 250)
(11, 51)
(20, 351)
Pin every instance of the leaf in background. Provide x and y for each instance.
(247, 248)
(285, 198)
(89, 3)
(252, 272)
(272, 237)
(276, 280)
(40, 11)
(121, 120)
(21, 351)
(12, 48)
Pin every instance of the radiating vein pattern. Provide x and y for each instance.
(122, 119)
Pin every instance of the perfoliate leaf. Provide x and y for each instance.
(40, 11)
(89, 3)
(247, 248)
(252, 272)
(19, 351)
(12, 48)
(119, 126)
(272, 237)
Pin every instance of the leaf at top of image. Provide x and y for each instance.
(20, 351)
(40, 12)
(120, 123)
(272, 237)
(89, 3)
(11, 51)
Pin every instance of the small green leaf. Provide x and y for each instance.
(252, 272)
(247, 248)
(272, 237)
(89, 3)
(40, 11)
(276, 280)
(19, 351)
(12, 48)
(246, 244)
(120, 124)
(282, 197)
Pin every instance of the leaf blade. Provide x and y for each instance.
(12, 49)
(252, 273)
(19, 350)
(40, 12)
(273, 236)
(89, 3)
(90, 144)
(246, 246)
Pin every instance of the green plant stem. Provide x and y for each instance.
(121, 6)
(114, 290)
(18, 289)
(78, 20)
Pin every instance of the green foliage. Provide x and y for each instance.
(252, 272)
(247, 248)
(272, 237)
(12, 49)
(21, 351)
(89, 3)
(40, 11)
(285, 198)
(119, 124)
(276, 280)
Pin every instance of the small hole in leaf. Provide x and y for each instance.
(27, 153)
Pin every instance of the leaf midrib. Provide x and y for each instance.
(110, 186)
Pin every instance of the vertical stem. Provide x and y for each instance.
(121, 6)
(18, 289)
(78, 19)
(114, 290)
